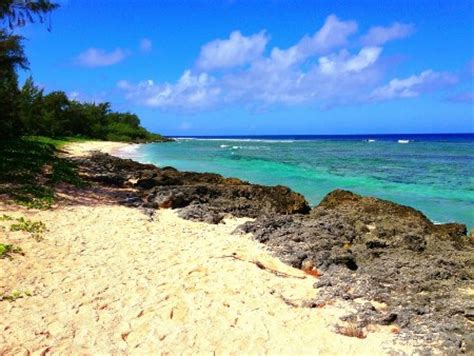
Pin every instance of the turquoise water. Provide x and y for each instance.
(434, 175)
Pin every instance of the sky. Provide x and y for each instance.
(265, 67)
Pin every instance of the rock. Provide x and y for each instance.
(378, 250)
(200, 212)
(169, 188)
(361, 247)
(146, 183)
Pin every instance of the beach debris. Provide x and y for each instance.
(263, 267)
(351, 330)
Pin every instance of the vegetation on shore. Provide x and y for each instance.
(7, 249)
(29, 111)
(29, 169)
(34, 124)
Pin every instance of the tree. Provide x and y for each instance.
(11, 57)
(17, 13)
(31, 107)
(10, 125)
(55, 114)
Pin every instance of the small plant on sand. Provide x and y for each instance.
(16, 294)
(35, 228)
(351, 330)
(6, 250)
(5, 217)
(33, 196)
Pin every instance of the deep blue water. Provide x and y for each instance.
(431, 172)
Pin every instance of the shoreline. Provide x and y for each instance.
(108, 278)
(122, 150)
(75, 149)
(281, 281)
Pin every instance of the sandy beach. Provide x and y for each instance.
(109, 279)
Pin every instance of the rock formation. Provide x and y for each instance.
(394, 263)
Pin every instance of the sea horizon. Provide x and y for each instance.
(413, 136)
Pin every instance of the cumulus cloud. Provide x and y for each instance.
(334, 33)
(413, 85)
(96, 57)
(235, 51)
(323, 69)
(379, 35)
(146, 45)
(189, 92)
(345, 63)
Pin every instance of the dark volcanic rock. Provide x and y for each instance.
(378, 250)
(169, 188)
(200, 212)
(365, 248)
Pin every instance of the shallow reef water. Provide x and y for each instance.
(432, 173)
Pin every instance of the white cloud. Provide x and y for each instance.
(379, 35)
(96, 57)
(323, 69)
(74, 95)
(87, 98)
(189, 92)
(146, 45)
(345, 63)
(413, 85)
(334, 33)
(235, 51)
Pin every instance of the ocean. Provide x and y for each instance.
(433, 173)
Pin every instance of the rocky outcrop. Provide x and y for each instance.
(375, 250)
(206, 196)
(394, 263)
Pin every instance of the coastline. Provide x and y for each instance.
(405, 174)
(86, 148)
(108, 278)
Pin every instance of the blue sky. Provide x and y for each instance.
(265, 67)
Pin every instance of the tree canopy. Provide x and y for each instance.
(29, 111)
(17, 13)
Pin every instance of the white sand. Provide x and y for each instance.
(85, 148)
(106, 279)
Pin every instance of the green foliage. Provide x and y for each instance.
(29, 111)
(29, 169)
(54, 115)
(16, 294)
(9, 123)
(30, 104)
(6, 250)
(33, 196)
(35, 228)
(17, 13)
(57, 142)
(11, 52)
